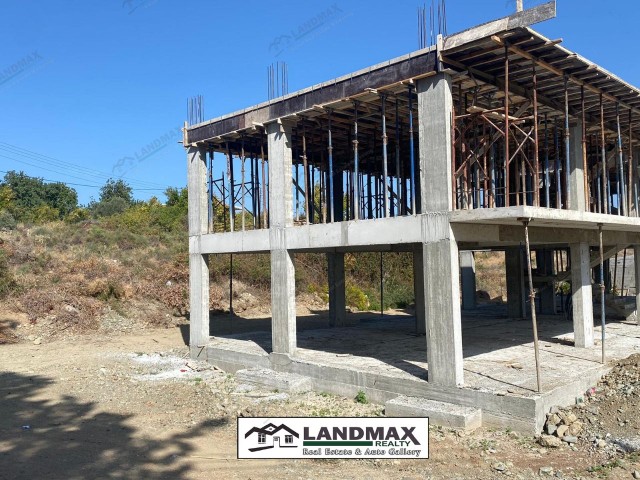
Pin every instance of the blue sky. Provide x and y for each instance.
(89, 88)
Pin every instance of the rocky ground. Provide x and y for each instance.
(132, 405)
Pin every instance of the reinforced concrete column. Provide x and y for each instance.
(441, 294)
(198, 263)
(337, 299)
(283, 288)
(515, 282)
(438, 253)
(581, 297)
(418, 290)
(576, 168)
(435, 108)
(636, 262)
(468, 280)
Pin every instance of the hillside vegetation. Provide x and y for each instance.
(119, 264)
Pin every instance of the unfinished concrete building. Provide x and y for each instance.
(494, 138)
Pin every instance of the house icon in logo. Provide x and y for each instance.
(271, 436)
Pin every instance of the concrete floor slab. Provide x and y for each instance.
(385, 358)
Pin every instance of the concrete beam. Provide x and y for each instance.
(337, 298)
(524, 18)
(382, 75)
(468, 280)
(581, 298)
(496, 235)
(435, 106)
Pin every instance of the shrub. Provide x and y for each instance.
(7, 222)
(77, 215)
(361, 397)
(45, 213)
(109, 207)
(7, 282)
(355, 297)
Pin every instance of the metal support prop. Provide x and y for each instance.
(506, 125)
(210, 193)
(624, 267)
(567, 148)
(356, 198)
(242, 158)
(622, 207)
(224, 207)
(330, 151)
(536, 158)
(231, 284)
(381, 285)
(252, 182)
(265, 209)
(556, 143)
(385, 193)
(603, 153)
(630, 171)
(306, 174)
(232, 209)
(585, 168)
(412, 162)
(546, 164)
(397, 160)
(602, 289)
(532, 300)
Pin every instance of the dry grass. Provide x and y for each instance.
(490, 275)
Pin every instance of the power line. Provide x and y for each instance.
(81, 184)
(78, 169)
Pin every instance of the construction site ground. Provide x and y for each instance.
(132, 405)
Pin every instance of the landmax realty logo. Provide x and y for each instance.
(125, 164)
(336, 437)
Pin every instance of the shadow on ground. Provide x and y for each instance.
(7, 329)
(68, 439)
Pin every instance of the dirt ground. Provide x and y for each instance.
(132, 405)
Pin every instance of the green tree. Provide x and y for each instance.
(26, 197)
(177, 197)
(60, 197)
(27, 191)
(116, 188)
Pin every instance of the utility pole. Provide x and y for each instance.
(519, 6)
